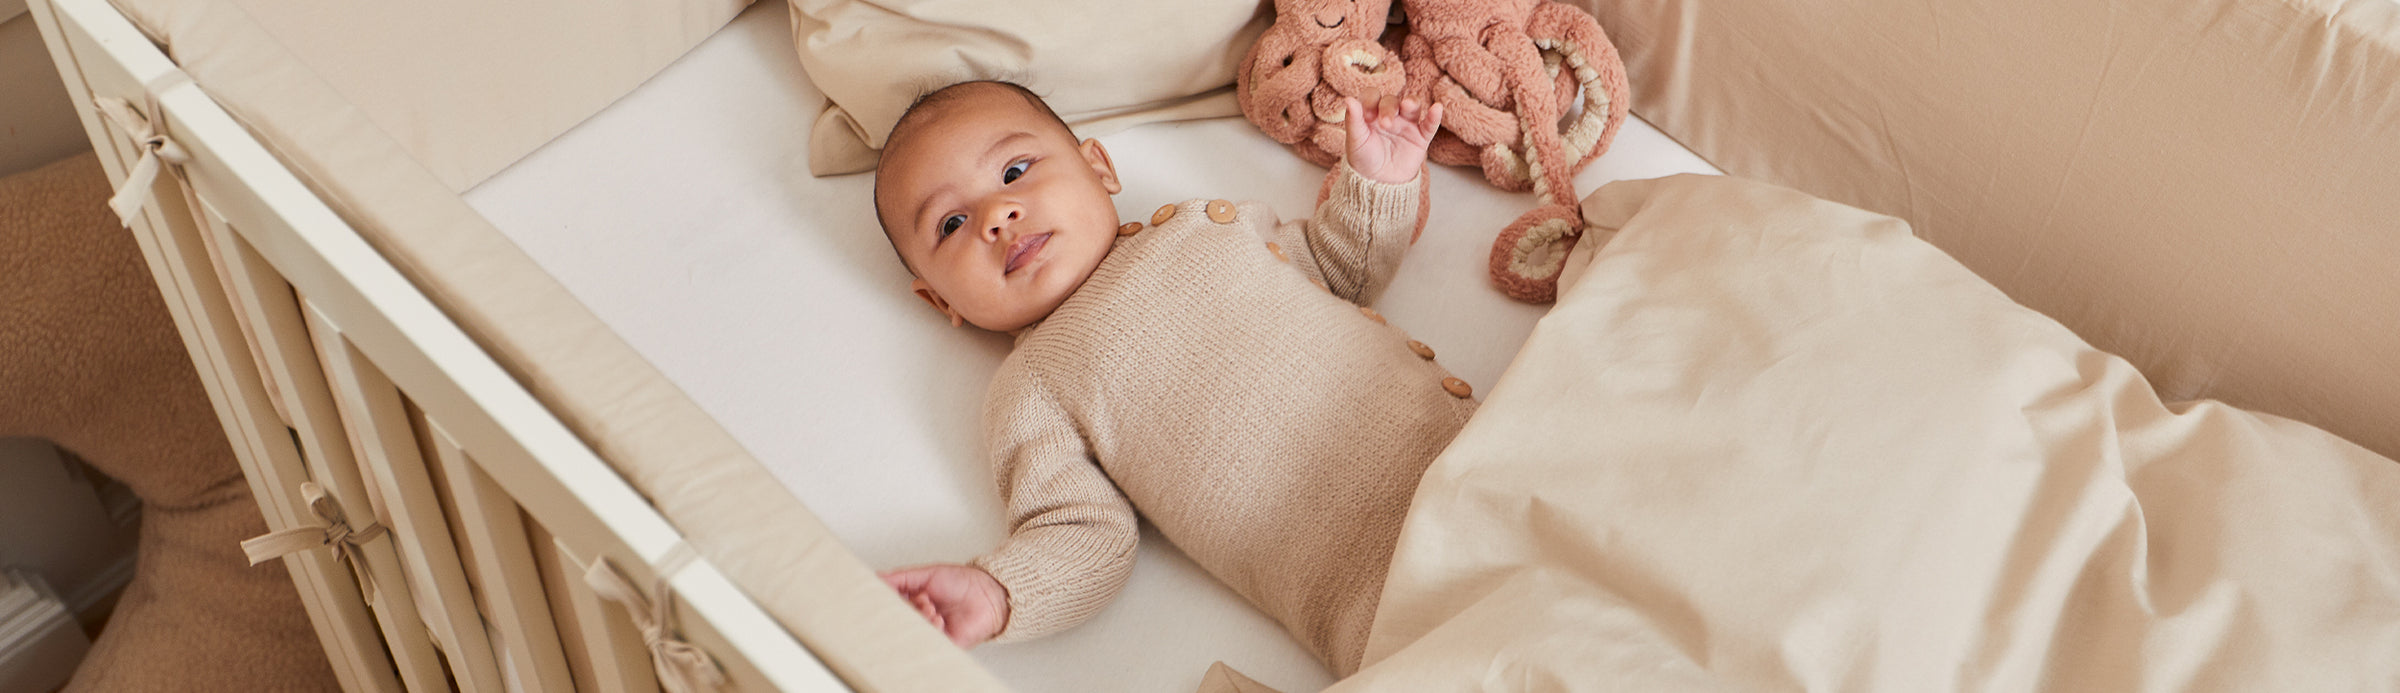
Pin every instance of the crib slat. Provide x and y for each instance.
(245, 312)
(620, 664)
(377, 418)
(281, 345)
(505, 575)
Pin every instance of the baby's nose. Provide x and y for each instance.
(1000, 218)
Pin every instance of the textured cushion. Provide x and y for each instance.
(1103, 65)
(465, 87)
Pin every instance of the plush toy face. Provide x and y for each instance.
(1326, 21)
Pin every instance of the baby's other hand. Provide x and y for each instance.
(1387, 144)
(961, 601)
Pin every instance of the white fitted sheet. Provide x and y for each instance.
(685, 217)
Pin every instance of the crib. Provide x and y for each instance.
(551, 459)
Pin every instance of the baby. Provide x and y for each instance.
(1209, 366)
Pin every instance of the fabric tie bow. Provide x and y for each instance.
(682, 667)
(147, 128)
(336, 533)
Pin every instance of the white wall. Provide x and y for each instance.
(37, 122)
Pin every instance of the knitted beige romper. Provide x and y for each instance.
(1218, 373)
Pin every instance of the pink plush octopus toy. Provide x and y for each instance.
(1532, 89)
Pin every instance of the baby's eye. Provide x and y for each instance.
(951, 223)
(1014, 171)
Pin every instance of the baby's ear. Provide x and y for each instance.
(934, 298)
(1097, 156)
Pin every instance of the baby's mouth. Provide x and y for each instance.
(1022, 251)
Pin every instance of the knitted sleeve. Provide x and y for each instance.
(1071, 532)
(1358, 235)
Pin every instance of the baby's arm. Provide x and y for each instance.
(1355, 240)
(1071, 533)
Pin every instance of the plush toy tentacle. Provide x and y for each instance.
(1473, 66)
(1529, 253)
(1364, 69)
(1416, 57)
(1448, 150)
(1591, 60)
(1551, 173)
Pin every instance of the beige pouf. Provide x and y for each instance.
(92, 362)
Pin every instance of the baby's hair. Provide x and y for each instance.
(928, 103)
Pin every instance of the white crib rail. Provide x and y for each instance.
(326, 365)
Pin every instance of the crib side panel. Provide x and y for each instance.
(99, 59)
(477, 514)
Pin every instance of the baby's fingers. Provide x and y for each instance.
(1356, 126)
(1431, 120)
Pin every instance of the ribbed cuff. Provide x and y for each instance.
(1376, 203)
(1046, 593)
(1013, 575)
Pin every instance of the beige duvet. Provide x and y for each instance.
(1766, 442)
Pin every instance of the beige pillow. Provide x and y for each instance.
(1103, 65)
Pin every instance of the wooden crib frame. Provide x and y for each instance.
(325, 365)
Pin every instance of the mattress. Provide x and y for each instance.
(685, 218)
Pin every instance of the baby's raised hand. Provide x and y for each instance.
(961, 601)
(1387, 144)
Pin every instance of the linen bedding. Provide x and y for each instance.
(1768, 442)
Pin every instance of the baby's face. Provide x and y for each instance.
(1000, 212)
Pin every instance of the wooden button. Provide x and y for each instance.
(1458, 388)
(1130, 228)
(1423, 352)
(1372, 315)
(1220, 211)
(1161, 216)
(1278, 251)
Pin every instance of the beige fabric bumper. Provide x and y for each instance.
(2209, 188)
(399, 191)
(464, 87)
